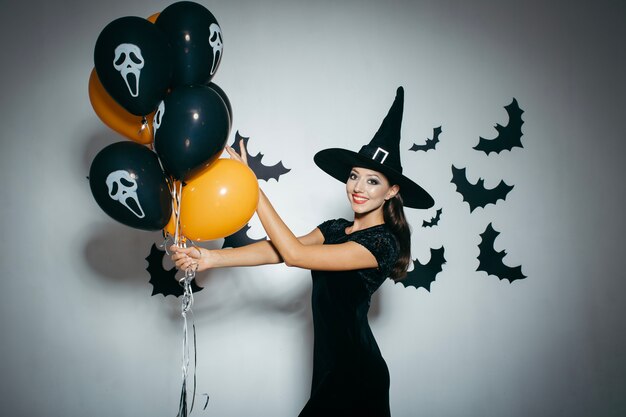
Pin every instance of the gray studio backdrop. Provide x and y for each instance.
(81, 335)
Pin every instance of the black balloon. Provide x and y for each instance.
(196, 40)
(128, 183)
(224, 97)
(133, 60)
(191, 128)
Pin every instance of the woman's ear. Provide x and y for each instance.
(393, 190)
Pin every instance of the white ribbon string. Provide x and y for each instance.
(186, 305)
(177, 193)
(185, 310)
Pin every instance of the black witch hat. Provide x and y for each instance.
(382, 154)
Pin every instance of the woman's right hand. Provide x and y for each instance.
(192, 257)
(243, 158)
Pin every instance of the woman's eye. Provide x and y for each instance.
(373, 182)
(352, 176)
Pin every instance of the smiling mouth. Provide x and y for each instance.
(358, 199)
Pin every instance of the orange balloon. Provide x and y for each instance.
(152, 18)
(115, 116)
(219, 201)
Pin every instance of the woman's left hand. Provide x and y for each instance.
(193, 257)
(243, 158)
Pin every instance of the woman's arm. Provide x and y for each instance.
(337, 257)
(258, 253)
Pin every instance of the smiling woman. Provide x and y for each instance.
(368, 186)
(349, 261)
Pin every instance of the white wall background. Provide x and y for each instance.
(80, 334)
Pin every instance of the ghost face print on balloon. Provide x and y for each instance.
(158, 117)
(128, 61)
(215, 40)
(122, 187)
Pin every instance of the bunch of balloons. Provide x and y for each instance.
(152, 83)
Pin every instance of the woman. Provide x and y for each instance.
(349, 260)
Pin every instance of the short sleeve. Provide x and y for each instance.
(326, 226)
(333, 229)
(382, 245)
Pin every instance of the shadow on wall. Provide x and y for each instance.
(98, 140)
(116, 252)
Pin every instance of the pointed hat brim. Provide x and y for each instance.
(338, 163)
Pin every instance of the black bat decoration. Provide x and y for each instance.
(430, 143)
(477, 195)
(163, 281)
(490, 261)
(434, 221)
(509, 136)
(262, 172)
(423, 275)
(240, 238)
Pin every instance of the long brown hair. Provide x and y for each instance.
(393, 212)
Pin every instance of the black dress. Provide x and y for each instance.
(350, 376)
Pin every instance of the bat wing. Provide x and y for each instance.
(423, 275)
(262, 171)
(509, 136)
(163, 280)
(240, 238)
(430, 143)
(476, 195)
(491, 261)
(434, 221)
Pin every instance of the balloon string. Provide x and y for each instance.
(166, 243)
(171, 185)
(177, 198)
(186, 305)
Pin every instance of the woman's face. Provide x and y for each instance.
(368, 190)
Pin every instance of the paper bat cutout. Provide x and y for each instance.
(423, 275)
(263, 172)
(434, 221)
(490, 261)
(163, 281)
(477, 195)
(430, 143)
(509, 136)
(240, 238)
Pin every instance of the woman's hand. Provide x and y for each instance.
(190, 258)
(243, 158)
